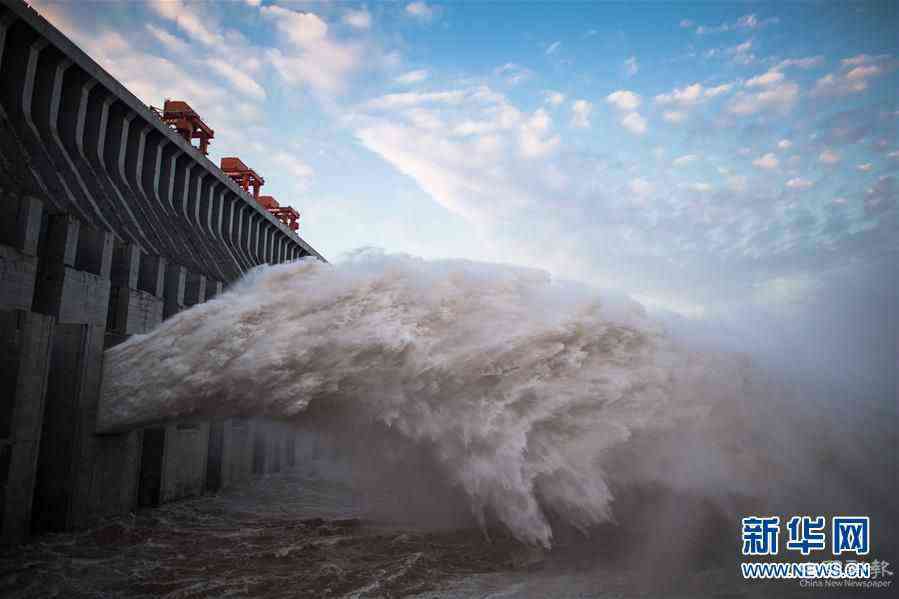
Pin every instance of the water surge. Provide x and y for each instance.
(516, 385)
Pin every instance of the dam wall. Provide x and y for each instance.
(110, 222)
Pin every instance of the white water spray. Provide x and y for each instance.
(515, 383)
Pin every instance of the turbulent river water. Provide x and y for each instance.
(532, 437)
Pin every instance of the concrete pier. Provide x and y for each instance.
(20, 226)
(110, 222)
(133, 310)
(184, 464)
(25, 342)
(236, 462)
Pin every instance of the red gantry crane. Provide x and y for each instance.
(242, 175)
(285, 214)
(181, 117)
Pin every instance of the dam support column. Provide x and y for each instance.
(260, 447)
(175, 282)
(135, 307)
(215, 456)
(186, 445)
(135, 302)
(184, 464)
(230, 454)
(194, 289)
(291, 449)
(237, 451)
(20, 227)
(73, 278)
(80, 475)
(213, 289)
(25, 340)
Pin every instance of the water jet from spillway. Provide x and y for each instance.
(517, 385)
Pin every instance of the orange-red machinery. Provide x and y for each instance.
(268, 202)
(187, 122)
(190, 126)
(242, 175)
(286, 214)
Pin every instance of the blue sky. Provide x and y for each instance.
(699, 156)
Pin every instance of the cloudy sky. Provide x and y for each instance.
(696, 156)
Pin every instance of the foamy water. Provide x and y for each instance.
(514, 384)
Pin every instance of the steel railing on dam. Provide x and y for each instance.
(110, 222)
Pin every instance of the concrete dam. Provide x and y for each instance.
(111, 222)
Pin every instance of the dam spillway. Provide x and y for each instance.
(110, 222)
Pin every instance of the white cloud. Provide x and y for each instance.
(674, 116)
(829, 157)
(554, 98)
(478, 164)
(302, 28)
(837, 85)
(686, 23)
(766, 79)
(297, 170)
(853, 77)
(685, 160)
(866, 167)
(749, 21)
(513, 73)
(634, 123)
(685, 96)
(553, 47)
(863, 72)
(802, 63)
(436, 166)
(624, 100)
(784, 144)
(700, 187)
(410, 77)
(187, 19)
(470, 127)
(631, 66)
(358, 19)
(859, 59)
(742, 53)
(238, 78)
(175, 44)
(410, 99)
(768, 161)
(535, 138)
(322, 62)
(799, 183)
(691, 95)
(713, 92)
(894, 154)
(424, 118)
(580, 114)
(780, 97)
(421, 10)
